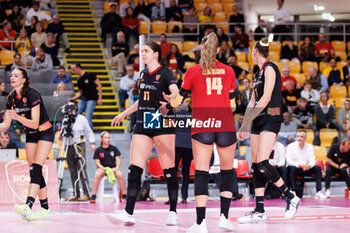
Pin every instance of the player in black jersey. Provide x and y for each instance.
(25, 105)
(149, 130)
(265, 115)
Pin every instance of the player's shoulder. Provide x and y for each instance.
(195, 68)
(32, 93)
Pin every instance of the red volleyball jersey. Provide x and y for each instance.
(211, 108)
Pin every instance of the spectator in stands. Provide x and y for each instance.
(235, 18)
(127, 83)
(136, 63)
(278, 160)
(346, 72)
(3, 15)
(281, 16)
(35, 11)
(240, 40)
(57, 29)
(38, 37)
(232, 61)
(288, 130)
(345, 127)
(164, 44)
(110, 22)
(290, 97)
(259, 29)
(221, 35)
(2, 89)
(15, 17)
(245, 95)
(323, 49)
(120, 50)
(125, 6)
(131, 24)
(16, 63)
(174, 58)
(32, 27)
(60, 87)
(338, 160)
(325, 113)
(6, 143)
(312, 96)
(87, 84)
(61, 76)
(177, 77)
(185, 5)
(301, 162)
(47, 5)
(14, 131)
(191, 17)
(42, 61)
(142, 11)
(22, 42)
(333, 73)
(107, 156)
(207, 16)
(289, 52)
(318, 80)
(307, 50)
(158, 11)
(51, 48)
(344, 112)
(7, 34)
(287, 77)
(174, 13)
(303, 115)
(225, 52)
(133, 55)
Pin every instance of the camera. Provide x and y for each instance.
(68, 120)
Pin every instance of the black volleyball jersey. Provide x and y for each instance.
(152, 86)
(273, 110)
(23, 106)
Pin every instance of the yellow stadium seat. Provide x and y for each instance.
(240, 87)
(279, 65)
(200, 6)
(244, 65)
(341, 64)
(300, 43)
(188, 45)
(340, 54)
(217, 7)
(188, 64)
(211, 2)
(220, 17)
(179, 45)
(349, 47)
(294, 66)
(327, 136)
(172, 24)
(322, 66)
(22, 154)
(310, 135)
(307, 64)
(274, 56)
(107, 6)
(225, 27)
(228, 4)
(250, 59)
(242, 150)
(339, 102)
(8, 11)
(241, 56)
(320, 152)
(144, 27)
(337, 91)
(275, 46)
(338, 45)
(250, 76)
(251, 45)
(301, 78)
(6, 57)
(50, 157)
(158, 26)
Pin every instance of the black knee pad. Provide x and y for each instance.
(36, 174)
(269, 171)
(170, 175)
(227, 179)
(201, 180)
(134, 177)
(43, 183)
(258, 178)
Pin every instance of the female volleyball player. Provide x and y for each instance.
(149, 130)
(264, 112)
(25, 105)
(212, 84)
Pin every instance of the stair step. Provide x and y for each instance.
(80, 24)
(72, 1)
(87, 49)
(84, 57)
(86, 64)
(106, 107)
(103, 88)
(76, 15)
(110, 127)
(84, 54)
(106, 113)
(104, 120)
(65, 18)
(93, 70)
(72, 6)
(82, 33)
(85, 60)
(98, 76)
(75, 10)
(102, 82)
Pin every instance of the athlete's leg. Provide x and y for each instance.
(99, 174)
(119, 175)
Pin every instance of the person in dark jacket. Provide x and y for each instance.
(57, 29)
(110, 22)
(175, 58)
(120, 50)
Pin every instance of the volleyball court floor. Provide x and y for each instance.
(331, 215)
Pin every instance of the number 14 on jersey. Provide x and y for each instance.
(214, 84)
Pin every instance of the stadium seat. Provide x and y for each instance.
(341, 54)
(338, 45)
(341, 64)
(158, 26)
(225, 26)
(107, 6)
(179, 45)
(101, 190)
(22, 154)
(188, 45)
(337, 91)
(200, 6)
(242, 150)
(300, 43)
(154, 169)
(244, 65)
(241, 56)
(349, 47)
(279, 65)
(251, 45)
(307, 64)
(243, 169)
(249, 57)
(294, 66)
(274, 56)
(200, 1)
(320, 152)
(228, 4)
(275, 46)
(217, 7)
(323, 65)
(211, 2)
(220, 17)
(6, 57)
(144, 27)
(172, 24)
(327, 136)
(301, 78)
(188, 64)
(250, 76)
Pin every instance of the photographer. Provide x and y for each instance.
(76, 128)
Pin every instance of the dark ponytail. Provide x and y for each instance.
(263, 47)
(156, 48)
(25, 87)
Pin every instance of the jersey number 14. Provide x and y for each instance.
(214, 84)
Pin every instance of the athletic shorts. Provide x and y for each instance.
(221, 139)
(153, 133)
(47, 135)
(270, 126)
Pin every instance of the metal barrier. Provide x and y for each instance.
(12, 42)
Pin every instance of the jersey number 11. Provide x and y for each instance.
(214, 84)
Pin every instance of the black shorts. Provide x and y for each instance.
(154, 133)
(222, 139)
(263, 125)
(47, 135)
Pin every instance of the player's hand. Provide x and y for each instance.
(242, 135)
(166, 97)
(92, 147)
(343, 165)
(163, 109)
(13, 114)
(99, 101)
(116, 120)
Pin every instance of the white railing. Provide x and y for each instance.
(12, 42)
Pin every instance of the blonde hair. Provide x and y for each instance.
(210, 44)
(103, 134)
(61, 84)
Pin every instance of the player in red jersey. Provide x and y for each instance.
(212, 85)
